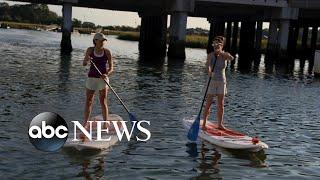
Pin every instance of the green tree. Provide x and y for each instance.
(88, 25)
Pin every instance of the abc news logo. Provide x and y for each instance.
(49, 132)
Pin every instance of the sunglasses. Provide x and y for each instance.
(217, 44)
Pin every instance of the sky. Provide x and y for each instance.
(112, 18)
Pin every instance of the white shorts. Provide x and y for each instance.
(96, 84)
(217, 87)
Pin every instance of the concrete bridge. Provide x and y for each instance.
(286, 18)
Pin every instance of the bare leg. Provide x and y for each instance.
(104, 105)
(87, 109)
(220, 111)
(207, 107)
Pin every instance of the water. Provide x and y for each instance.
(284, 111)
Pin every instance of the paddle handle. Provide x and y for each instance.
(114, 92)
(205, 94)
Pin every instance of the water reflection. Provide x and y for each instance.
(64, 72)
(98, 171)
(91, 162)
(211, 157)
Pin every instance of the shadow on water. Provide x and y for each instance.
(210, 157)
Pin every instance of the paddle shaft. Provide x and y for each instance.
(125, 107)
(205, 94)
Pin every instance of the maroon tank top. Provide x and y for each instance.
(100, 62)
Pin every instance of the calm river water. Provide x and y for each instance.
(284, 111)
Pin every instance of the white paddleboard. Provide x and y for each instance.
(93, 144)
(228, 138)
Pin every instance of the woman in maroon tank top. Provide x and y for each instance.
(103, 60)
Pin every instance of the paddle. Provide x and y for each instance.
(131, 116)
(194, 129)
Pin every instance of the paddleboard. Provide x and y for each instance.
(229, 139)
(93, 144)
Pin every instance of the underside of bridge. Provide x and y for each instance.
(241, 24)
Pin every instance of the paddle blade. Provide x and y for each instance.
(194, 130)
(132, 120)
(132, 117)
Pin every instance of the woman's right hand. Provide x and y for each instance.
(87, 57)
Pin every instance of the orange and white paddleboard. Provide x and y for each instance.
(227, 138)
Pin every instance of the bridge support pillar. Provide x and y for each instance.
(234, 42)
(246, 45)
(177, 37)
(272, 38)
(293, 38)
(284, 37)
(228, 37)
(219, 28)
(210, 38)
(304, 41)
(314, 38)
(152, 42)
(66, 46)
(247, 37)
(258, 37)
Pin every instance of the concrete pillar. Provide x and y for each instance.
(153, 39)
(210, 38)
(304, 41)
(234, 42)
(258, 37)
(316, 67)
(228, 37)
(283, 36)
(296, 36)
(293, 37)
(66, 46)
(177, 38)
(219, 28)
(273, 36)
(246, 45)
(247, 37)
(314, 38)
(292, 41)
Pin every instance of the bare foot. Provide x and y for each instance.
(221, 127)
